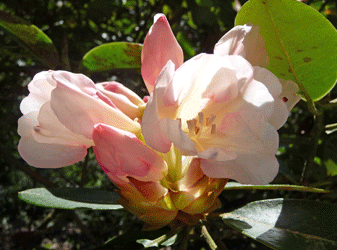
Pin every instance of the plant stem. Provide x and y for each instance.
(185, 237)
(208, 238)
(214, 242)
(316, 133)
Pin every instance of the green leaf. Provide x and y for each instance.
(287, 223)
(238, 186)
(113, 55)
(71, 198)
(31, 37)
(300, 42)
(331, 167)
(185, 44)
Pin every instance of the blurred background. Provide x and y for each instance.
(75, 27)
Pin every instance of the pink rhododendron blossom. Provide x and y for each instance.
(224, 108)
(58, 118)
(159, 47)
(220, 113)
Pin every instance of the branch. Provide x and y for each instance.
(316, 133)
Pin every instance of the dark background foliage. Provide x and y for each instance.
(75, 27)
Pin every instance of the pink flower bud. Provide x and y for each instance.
(123, 98)
(58, 118)
(159, 47)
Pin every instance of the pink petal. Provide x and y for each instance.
(159, 47)
(118, 88)
(243, 131)
(40, 88)
(231, 42)
(258, 102)
(245, 41)
(280, 114)
(152, 133)
(247, 168)
(79, 111)
(121, 101)
(45, 155)
(121, 153)
(269, 80)
(51, 130)
(27, 122)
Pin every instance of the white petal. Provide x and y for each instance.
(45, 155)
(152, 133)
(248, 168)
(51, 130)
(269, 80)
(240, 132)
(280, 114)
(27, 122)
(217, 154)
(40, 88)
(79, 112)
(172, 130)
(231, 42)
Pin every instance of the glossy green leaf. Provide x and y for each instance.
(300, 42)
(71, 198)
(113, 55)
(285, 224)
(30, 37)
(238, 186)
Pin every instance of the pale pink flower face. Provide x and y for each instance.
(58, 118)
(220, 113)
(224, 108)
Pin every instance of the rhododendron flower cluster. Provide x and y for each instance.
(209, 119)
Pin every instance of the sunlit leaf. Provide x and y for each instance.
(238, 186)
(285, 224)
(300, 42)
(30, 37)
(113, 55)
(71, 198)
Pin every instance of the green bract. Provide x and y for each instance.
(300, 42)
